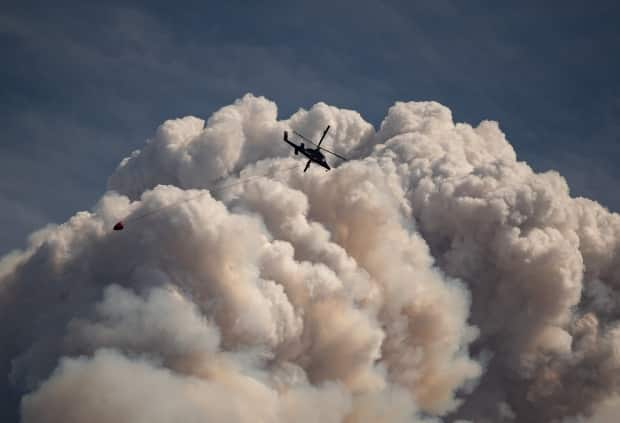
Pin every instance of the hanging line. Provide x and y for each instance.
(120, 225)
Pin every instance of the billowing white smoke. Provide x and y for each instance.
(432, 277)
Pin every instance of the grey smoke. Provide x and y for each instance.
(433, 277)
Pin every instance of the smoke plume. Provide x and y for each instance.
(432, 277)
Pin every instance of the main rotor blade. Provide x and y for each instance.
(335, 154)
(299, 135)
(323, 136)
(322, 148)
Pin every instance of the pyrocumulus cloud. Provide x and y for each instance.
(432, 277)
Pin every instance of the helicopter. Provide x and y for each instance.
(314, 155)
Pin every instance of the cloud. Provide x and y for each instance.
(433, 276)
(606, 412)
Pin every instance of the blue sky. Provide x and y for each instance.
(82, 85)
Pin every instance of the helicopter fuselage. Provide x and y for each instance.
(315, 155)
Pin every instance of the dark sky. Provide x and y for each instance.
(81, 86)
